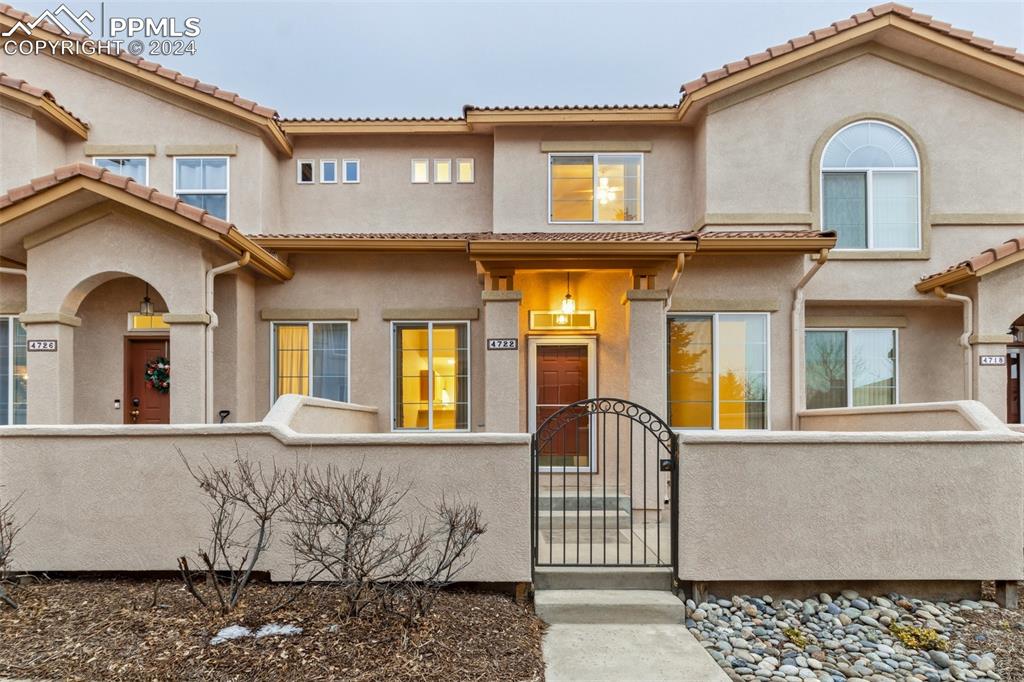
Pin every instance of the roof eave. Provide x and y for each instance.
(50, 110)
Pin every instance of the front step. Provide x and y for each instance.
(618, 578)
(629, 607)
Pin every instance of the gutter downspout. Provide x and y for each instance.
(797, 340)
(14, 271)
(214, 323)
(965, 338)
(680, 264)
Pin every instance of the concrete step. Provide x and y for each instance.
(586, 578)
(570, 500)
(629, 607)
(596, 520)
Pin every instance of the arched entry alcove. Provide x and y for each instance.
(115, 340)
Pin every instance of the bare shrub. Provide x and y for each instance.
(351, 528)
(8, 533)
(243, 500)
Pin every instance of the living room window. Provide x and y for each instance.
(311, 358)
(13, 372)
(871, 189)
(134, 167)
(851, 367)
(718, 371)
(203, 182)
(431, 376)
(595, 188)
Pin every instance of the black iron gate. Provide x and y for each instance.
(603, 486)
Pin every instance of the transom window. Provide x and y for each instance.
(134, 167)
(871, 189)
(850, 367)
(203, 182)
(718, 371)
(311, 358)
(595, 188)
(13, 372)
(431, 376)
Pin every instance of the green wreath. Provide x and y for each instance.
(158, 374)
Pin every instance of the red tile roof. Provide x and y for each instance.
(966, 268)
(613, 237)
(23, 86)
(152, 67)
(889, 8)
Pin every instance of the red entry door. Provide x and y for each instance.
(562, 379)
(1013, 384)
(143, 404)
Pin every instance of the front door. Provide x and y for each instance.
(1013, 384)
(144, 404)
(561, 372)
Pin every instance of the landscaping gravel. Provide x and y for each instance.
(851, 637)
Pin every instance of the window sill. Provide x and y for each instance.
(878, 254)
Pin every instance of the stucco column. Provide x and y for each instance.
(501, 367)
(990, 380)
(188, 386)
(645, 362)
(51, 385)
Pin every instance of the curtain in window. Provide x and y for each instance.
(292, 361)
(690, 372)
(873, 366)
(329, 356)
(844, 208)
(742, 371)
(894, 209)
(825, 374)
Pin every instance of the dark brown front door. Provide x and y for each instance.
(562, 378)
(143, 404)
(1013, 397)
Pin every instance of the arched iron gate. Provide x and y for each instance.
(603, 486)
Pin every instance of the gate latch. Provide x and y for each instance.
(666, 465)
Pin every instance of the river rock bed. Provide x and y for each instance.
(836, 638)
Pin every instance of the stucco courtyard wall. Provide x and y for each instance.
(813, 506)
(119, 498)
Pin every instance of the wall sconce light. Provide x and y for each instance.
(146, 305)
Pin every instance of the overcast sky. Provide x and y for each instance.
(430, 58)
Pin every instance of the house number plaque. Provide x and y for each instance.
(991, 359)
(502, 344)
(42, 345)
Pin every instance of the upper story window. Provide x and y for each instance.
(464, 171)
(595, 188)
(134, 167)
(304, 171)
(871, 188)
(420, 171)
(203, 182)
(442, 171)
(350, 171)
(328, 171)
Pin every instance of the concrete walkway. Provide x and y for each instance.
(620, 635)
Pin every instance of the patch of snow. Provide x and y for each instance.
(231, 632)
(275, 629)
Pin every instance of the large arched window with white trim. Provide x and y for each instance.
(871, 188)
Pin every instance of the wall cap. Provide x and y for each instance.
(430, 314)
(310, 314)
(496, 296)
(647, 295)
(186, 318)
(991, 338)
(50, 318)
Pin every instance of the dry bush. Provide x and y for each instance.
(243, 500)
(8, 533)
(351, 528)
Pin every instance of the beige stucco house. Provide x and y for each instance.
(836, 222)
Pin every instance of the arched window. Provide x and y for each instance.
(871, 188)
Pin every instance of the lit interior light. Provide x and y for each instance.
(568, 303)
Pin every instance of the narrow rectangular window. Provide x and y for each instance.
(420, 171)
(202, 181)
(311, 358)
(304, 173)
(328, 171)
(718, 371)
(465, 172)
(350, 169)
(850, 367)
(134, 167)
(13, 372)
(595, 188)
(442, 171)
(431, 375)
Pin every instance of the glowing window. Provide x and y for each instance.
(595, 188)
(431, 375)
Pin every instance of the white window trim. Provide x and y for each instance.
(869, 190)
(227, 182)
(594, 156)
(472, 171)
(312, 172)
(344, 173)
(430, 384)
(324, 162)
(309, 361)
(127, 158)
(434, 171)
(715, 424)
(849, 362)
(532, 342)
(412, 172)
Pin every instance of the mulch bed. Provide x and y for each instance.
(111, 630)
(999, 631)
